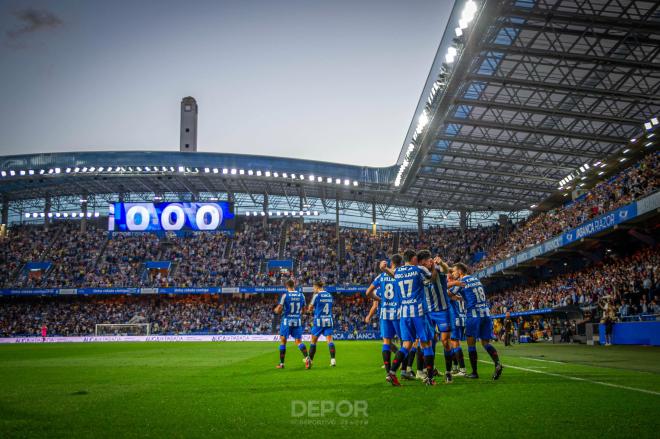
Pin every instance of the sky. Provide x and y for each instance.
(329, 80)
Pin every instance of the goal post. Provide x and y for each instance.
(101, 329)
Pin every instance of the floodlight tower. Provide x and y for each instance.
(188, 142)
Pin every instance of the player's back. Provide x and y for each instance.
(390, 299)
(322, 302)
(410, 284)
(475, 297)
(292, 305)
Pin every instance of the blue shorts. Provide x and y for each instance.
(317, 331)
(479, 327)
(457, 333)
(413, 328)
(390, 328)
(294, 332)
(439, 319)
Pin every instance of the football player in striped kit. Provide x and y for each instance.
(478, 324)
(437, 303)
(291, 305)
(383, 289)
(321, 306)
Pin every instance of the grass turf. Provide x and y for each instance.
(217, 389)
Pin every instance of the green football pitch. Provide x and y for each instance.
(164, 390)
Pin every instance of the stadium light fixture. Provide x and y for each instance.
(626, 151)
(57, 214)
(302, 176)
(74, 214)
(50, 214)
(276, 174)
(347, 182)
(355, 183)
(647, 144)
(27, 215)
(622, 159)
(65, 215)
(21, 172)
(233, 171)
(654, 121)
(250, 172)
(267, 173)
(650, 135)
(648, 125)
(532, 206)
(241, 172)
(181, 169)
(328, 180)
(207, 170)
(601, 172)
(96, 214)
(458, 31)
(319, 179)
(311, 178)
(258, 173)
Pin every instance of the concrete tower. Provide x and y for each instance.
(188, 141)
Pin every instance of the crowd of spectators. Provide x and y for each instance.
(185, 314)
(630, 284)
(627, 186)
(92, 259)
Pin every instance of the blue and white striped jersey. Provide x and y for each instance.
(322, 303)
(388, 294)
(457, 308)
(292, 303)
(435, 294)
(475, 297)
(410, 283)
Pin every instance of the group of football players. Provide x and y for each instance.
(420, 300)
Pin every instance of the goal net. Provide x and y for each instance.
(122, 329)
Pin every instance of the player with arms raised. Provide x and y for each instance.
(436, 304)
(383, 289)
(290, 306)
(321, 306)
(478, 323)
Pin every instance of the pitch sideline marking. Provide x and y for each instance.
(650, 392)
(545, 361)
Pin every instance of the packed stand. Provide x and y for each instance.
(630, 185)
(209, 314)
(630, 284)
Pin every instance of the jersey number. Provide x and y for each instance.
(479, 292)
(389, 291)
(295, 307)
(326, 308)
(406, 292)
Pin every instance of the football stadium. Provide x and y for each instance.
(501, 277)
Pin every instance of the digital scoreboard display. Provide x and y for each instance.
(171, 217)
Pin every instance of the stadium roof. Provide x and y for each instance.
(523, 93)
(520, 96)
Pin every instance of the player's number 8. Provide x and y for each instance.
(389, 291)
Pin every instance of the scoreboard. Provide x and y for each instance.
(165, 217)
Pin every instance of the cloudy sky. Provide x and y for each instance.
(326, 80)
